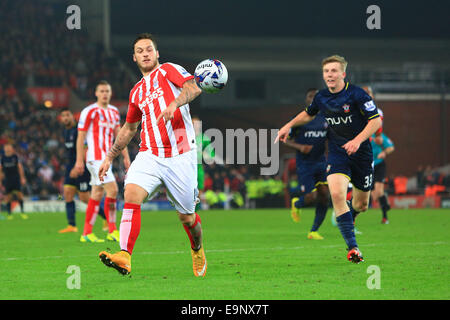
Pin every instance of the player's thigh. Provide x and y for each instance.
(338, 184)
(180, 179)
(69, 192)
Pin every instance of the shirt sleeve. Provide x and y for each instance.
(366, 104)
(177, 74)
(134, 114)
(85, 119)
(313, 108)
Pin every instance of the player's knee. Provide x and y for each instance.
(186, 219)
(361, 205)
(338, 197)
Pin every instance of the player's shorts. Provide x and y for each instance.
(358, 171)
(178, 174)
(200, 177)
(12, 185)
(80, 182)
(310, 175)
(93, 167)
(379, 172)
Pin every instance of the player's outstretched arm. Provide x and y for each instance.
(125, 154)
(124, 136)
(301, 119)
(353, 145)
(189, 92)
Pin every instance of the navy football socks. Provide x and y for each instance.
(300, 202)
(321, 212)
(352, 211)
(70, 211)
(345, 224)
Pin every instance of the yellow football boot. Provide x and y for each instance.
(199, 263)
(91, 238)
(314, 235)
(295, 212)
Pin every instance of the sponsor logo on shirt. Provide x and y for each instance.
(339, 120)
(149, 99)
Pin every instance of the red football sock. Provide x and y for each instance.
(130, 226)
(91, 216)
(110, 213)
(194, 233)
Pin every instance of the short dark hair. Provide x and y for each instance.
(310, 89)
(102, 83)
(64, 109)
(145, 35)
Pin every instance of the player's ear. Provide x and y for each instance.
(134, 58)
(157, 54)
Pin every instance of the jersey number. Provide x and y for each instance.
(368, 181)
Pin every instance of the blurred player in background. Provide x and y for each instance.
(73, 182)
(309, 141)
(202, 141)
(98, 125)
(13, 176)
(353, 118)
(381, 146)
(167, 155)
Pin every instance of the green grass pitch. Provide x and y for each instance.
(252, 254)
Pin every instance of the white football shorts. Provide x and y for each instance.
(178, 174)
(93, 167)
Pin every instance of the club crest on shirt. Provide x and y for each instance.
(346, 108)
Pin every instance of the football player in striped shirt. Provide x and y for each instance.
(352, 117)
(99, 123)
(167, 154)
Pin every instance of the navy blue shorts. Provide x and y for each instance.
(81, 182)
(12, 185)
(311, 174)
(358, 170)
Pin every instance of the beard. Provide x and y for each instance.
(145, 69)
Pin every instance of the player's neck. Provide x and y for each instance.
(102, 105)
(338, 88)
(146, 73)
(70, 125)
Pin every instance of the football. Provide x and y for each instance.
(211, 75)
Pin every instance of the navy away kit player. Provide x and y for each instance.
(73, 182)
(309, 141)
(13, 175)
(352, 117)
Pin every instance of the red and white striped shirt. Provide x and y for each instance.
(148, 98)
(100, 124)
